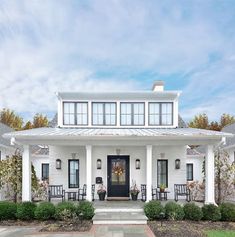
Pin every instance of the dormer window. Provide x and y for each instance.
(160, 113)
(132, 114)
(104, 113)
(75, 113)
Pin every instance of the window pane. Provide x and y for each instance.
(125, 114)
(69, 114)
(154, 114)
(73, 173)
(45, 171)
(166, 116)
(138, 113)
(189, 172)
(97, 114)
(162, 173)
(82, 113)
(110, 113)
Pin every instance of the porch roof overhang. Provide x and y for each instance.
(145, 135)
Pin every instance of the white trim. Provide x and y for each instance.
(89, 171)
(26, 174)
(149, 150)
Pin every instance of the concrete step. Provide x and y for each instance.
(109, 209)
(122, 218)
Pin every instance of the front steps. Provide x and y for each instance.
(119, 216)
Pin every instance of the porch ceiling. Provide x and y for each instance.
(187, 135)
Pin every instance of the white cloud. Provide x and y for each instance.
(61, 45)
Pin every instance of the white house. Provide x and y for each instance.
(134, 132)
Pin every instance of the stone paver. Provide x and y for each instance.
(96, 231)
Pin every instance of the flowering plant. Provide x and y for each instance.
(101, 189)
(134, 189)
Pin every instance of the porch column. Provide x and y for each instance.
(149, 173)
(210, 175)
(88, 171)
(26, 174)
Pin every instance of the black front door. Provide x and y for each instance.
(118, 176)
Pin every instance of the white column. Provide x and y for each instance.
(26, 175)
(149, 173)
(210, 175)
(88, 171)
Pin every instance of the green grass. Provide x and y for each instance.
(220, 233)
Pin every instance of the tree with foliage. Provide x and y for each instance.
(11, 176)
(200, 121)
(11, 119)
(40, 121)
(28, 125)
(224, 176)
(226, 119)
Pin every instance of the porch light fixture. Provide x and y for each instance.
(137, 164)
(99, 164)
(58, 164)
(177, 164)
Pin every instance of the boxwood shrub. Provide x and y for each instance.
(25, 211)
(44, 211)
(85, 210)
(192, 212)
(153, 209)
(7, 210)
(65, 211)
(211, 212)
(227, 211)
(174, 211)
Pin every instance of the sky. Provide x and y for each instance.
(84, 45)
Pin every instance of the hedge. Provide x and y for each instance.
(7, 210)
(153, 209)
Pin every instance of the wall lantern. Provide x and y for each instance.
(99, 163)
(137, 164)
(177, 164)
(58, 164)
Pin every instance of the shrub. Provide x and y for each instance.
(153, 209)
(65, 211)
(174, 211)
(227, 211)
(7, 210)
(25, 211)
(44, 211)
(211, 212)
(192, 212)
(86, 209)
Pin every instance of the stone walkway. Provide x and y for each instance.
(96, 231)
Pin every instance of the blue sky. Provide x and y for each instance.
(49, 46)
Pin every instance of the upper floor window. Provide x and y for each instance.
(103, 113)
(161, 113)
(132, 113)
(75, 113)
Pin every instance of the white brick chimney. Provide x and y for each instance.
(158, 86)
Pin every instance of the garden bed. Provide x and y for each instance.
(188, 228)
(52, 225)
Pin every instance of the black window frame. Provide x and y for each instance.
(132, 114)
(42, 175)
(75, 112)
(78, 178)
(104, 114)
(187, 171)
(162, 160)
(160, 113)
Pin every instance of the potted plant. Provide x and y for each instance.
(134, 191)
(101, 192)
(162, 188)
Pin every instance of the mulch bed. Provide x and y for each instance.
(52, 225)
(187, 228)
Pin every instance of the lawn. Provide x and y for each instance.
(192, 229)
(222, 233)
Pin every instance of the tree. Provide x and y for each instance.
(200, 121)
(40, 121)
(224, 176)
(28, 125)
(11, 176)
(11, 119)
(226, 119)
(214, 126)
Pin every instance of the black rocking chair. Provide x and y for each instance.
(182, 190)
(56, 191)
(82, 193)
